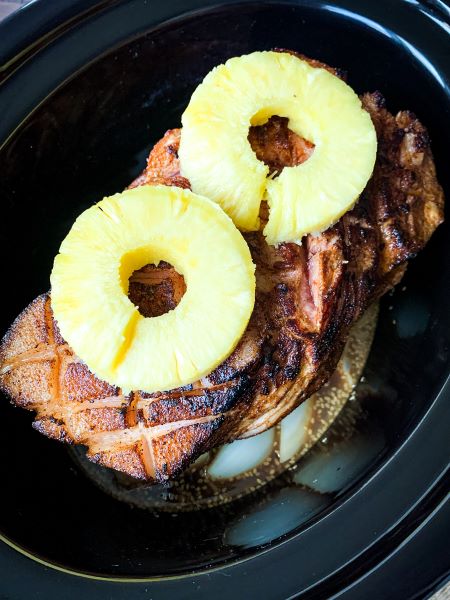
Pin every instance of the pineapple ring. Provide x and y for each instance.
(124, 232)
(216, 157)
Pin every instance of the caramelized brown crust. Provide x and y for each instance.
(162, 164)
(307, 298)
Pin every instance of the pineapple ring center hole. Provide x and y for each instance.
(277, 146)
(156, 289)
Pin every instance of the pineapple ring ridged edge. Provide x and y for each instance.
(89, 288)
(216, 157)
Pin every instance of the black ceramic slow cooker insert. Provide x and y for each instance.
(86, 88)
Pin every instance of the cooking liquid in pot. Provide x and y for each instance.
(243, 466)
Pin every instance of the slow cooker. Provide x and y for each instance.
(86, 87)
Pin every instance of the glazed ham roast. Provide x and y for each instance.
(307, 298)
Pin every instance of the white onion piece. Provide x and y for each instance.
(293, 430)
(202, 459)
(329, 472)
(289, 509)
(241, 455)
